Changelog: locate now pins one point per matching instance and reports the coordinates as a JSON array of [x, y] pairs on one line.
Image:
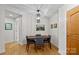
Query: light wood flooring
[[17, 49]]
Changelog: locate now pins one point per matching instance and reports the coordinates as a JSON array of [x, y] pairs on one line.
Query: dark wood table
[[30, 40]]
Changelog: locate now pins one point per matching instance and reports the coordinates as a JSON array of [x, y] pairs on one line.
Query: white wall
[[2, 47], [9, 34], [62, 27], [43, 21], [54, 31]]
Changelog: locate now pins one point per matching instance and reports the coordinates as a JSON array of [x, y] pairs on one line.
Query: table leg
[[27, 47], [50, 45], [35, 47]]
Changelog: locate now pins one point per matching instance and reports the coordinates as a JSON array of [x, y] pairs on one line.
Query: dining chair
[[29, 42], [48, 40], [39, 43]]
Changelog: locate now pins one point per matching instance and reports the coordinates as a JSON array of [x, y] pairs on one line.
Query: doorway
[[15, 34], [18, 29], [73, 31]]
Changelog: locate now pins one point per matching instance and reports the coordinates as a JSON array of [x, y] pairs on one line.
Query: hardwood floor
[[17, 49]]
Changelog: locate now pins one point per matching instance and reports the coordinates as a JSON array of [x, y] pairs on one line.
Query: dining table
[[31, 40]]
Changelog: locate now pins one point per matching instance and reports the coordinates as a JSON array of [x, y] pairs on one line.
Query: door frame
[[20, 29], [69, 14]]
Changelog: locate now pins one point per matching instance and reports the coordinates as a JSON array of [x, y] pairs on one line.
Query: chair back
[[38, 34], [39, 40], [49, 36]]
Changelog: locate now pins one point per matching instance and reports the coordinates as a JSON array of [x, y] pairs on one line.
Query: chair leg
[[50, 45], [27, 47], [43, 47], [35, 48]]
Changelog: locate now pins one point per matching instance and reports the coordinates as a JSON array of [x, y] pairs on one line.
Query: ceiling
[[46, 10], [10, 14]]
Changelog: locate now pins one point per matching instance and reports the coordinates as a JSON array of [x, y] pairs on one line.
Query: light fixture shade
[[38, 18], [38, 14], [38, 10]]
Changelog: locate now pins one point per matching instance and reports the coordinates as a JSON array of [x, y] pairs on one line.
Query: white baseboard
[[61, 52], [2, 51]]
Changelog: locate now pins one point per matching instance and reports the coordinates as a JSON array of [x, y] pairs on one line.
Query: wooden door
[[73, 31]]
